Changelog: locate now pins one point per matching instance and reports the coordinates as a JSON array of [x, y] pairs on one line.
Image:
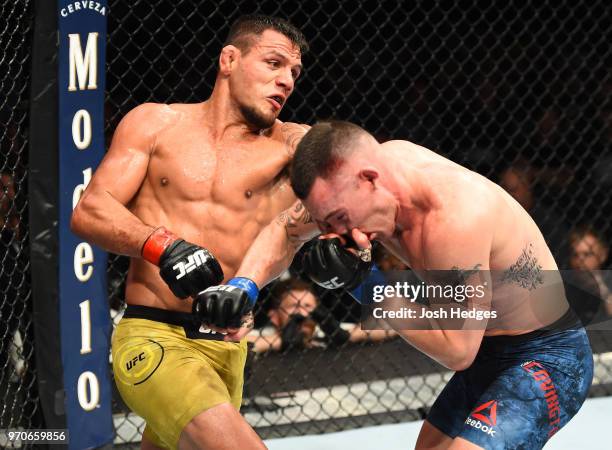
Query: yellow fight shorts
[[168, 371]]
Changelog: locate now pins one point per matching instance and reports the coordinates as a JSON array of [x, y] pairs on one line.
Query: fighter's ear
[[368, 174], [228, 58]]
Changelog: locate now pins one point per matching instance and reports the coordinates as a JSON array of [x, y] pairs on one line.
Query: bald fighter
[[519, 378], [184, 190]]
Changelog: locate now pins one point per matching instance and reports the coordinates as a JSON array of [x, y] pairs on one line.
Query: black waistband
[[193, 328], [159, 315], [568, 321]]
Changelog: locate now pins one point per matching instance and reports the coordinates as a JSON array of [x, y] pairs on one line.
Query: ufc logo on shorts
[[332, 284], [193, 261]]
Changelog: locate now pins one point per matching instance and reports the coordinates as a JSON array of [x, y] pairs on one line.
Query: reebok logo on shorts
[[197, 259], [484, 420]]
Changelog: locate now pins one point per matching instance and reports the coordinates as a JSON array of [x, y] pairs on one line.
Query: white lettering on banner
[[83, 67], [83, 255], [81, 119], [88, 380], [85, 327], [77, 6], [80, 188]]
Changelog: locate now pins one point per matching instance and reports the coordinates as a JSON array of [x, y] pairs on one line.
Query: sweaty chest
[[230, 175]]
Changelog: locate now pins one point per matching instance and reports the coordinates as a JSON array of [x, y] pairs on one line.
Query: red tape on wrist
[[156, 243]]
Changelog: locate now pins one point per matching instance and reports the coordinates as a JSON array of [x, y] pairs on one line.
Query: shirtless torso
[[460, 193], [167, 168], [214, 193], [512, 248]]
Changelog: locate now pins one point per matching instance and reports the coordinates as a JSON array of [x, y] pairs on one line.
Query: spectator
[[10, 219], [297, 319], [589, 252]]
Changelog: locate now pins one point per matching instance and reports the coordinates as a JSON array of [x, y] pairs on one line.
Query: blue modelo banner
[[84, 312]]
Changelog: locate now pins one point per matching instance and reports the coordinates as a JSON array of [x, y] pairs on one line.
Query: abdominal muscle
[[224, 229]]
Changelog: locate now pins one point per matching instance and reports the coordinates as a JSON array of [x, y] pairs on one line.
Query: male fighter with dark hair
[[184, 190]]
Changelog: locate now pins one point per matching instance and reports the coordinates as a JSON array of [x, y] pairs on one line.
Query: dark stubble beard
[[255, 118]]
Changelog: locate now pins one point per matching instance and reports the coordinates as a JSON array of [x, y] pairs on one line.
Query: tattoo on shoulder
[[293, 134], [526, 271]]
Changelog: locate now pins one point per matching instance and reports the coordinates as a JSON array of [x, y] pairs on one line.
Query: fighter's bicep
[[121, 173]]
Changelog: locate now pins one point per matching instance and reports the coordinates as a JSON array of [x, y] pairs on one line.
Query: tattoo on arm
[[526, 271], [292, 219]]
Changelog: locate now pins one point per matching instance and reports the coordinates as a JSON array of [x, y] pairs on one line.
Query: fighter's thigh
[[518, 410], [220, 428], [447, 414], [166, 382]]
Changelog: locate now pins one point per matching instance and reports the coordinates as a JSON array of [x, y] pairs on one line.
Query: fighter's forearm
[[274, 248], [453, 348], [445, 346], [102, 220]]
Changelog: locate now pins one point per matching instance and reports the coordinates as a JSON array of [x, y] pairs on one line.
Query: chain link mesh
[[19, 404], [518, 91]]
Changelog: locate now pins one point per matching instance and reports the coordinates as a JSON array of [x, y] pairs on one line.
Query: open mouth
[[277, 101]]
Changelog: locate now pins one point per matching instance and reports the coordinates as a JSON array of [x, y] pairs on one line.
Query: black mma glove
[[330, 265], [330, 326], [186, 268], [224, 306]]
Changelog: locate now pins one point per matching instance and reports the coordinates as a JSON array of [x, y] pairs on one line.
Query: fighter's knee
[[463, 444], [220, 427], [431, 438], [147, 444]]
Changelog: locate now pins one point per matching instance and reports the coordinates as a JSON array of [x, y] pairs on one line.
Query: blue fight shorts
[[519, 391]]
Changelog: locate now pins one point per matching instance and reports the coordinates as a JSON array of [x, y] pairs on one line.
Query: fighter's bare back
[[465, 196]]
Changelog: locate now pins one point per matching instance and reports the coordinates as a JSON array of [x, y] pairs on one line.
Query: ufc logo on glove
[[194, 260], [332, 284]]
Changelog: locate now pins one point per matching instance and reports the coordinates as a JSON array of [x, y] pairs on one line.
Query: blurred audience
[[298, 319], [17, 368], [589, 251], [8, 211]]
